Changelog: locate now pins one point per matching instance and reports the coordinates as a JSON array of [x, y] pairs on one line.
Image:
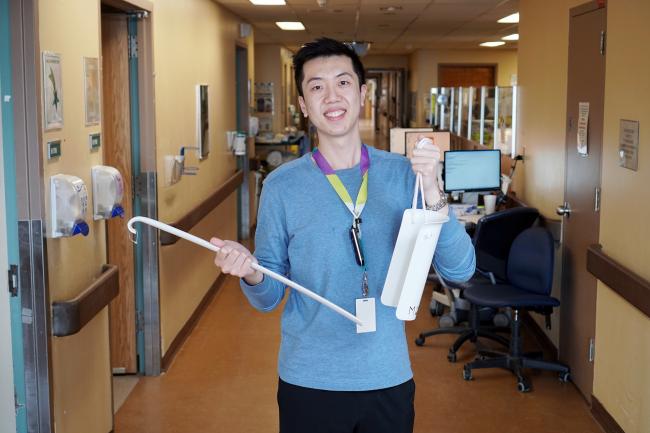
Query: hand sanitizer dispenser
[[68, 204], [108, 191]]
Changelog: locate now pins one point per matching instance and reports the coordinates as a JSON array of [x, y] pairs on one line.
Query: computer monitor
[[472, 170]]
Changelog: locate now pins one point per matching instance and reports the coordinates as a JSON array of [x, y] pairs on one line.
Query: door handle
[[564, 210]]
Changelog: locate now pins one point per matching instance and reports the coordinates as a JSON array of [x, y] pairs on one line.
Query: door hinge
[[597, 200], [592, 350], [139, 321], [603, 42], [13, 280], [133, 47], [139, 186]]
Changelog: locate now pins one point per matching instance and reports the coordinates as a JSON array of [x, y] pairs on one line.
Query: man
[[333, 379]]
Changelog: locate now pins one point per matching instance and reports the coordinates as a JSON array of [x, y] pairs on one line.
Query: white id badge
[[366, 313]]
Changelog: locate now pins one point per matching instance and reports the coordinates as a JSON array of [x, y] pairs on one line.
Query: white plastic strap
[[205, 244], [419, 187]]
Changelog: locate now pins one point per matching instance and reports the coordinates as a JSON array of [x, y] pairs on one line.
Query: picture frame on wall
[[92, 103], [52, 91], [202, 121]]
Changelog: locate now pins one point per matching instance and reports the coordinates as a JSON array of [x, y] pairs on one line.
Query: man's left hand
[[425, 161]]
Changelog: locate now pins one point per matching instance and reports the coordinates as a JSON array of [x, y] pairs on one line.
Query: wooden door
[[466, 75], [117, 153], [586, 83]]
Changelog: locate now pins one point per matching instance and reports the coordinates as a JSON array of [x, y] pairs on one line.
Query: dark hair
[[325, 47]]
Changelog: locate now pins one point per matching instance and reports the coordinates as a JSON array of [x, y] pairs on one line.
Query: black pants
[[306, 410]]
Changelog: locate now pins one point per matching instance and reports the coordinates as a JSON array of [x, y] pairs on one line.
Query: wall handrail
[[631, 286], [69, 317], [193, 217]]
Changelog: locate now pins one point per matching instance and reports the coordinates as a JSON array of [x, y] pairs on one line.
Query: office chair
[[530, 276], [492, 240]]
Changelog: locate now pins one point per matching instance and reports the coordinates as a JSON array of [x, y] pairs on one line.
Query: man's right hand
[[235, 259]]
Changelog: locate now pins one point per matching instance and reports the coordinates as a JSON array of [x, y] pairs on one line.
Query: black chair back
[[530, 266], [494, 236]]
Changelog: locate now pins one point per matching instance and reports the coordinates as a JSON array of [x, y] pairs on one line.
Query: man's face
[[332, 98]]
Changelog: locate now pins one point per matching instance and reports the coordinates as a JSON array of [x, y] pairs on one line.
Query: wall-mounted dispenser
[[68, 205], [236, 142], [108, 191], [175, 166]]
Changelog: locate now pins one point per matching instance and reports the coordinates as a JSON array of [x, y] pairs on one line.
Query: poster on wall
[[52, 91], [202, 123], [91, 91]]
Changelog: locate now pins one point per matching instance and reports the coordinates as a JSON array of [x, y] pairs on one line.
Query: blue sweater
[[303, 233]]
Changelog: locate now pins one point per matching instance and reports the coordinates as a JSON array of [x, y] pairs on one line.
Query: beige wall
[[73, 263], [621, 376], [385, 61], [424, 70], [194, 42], [542, 80]]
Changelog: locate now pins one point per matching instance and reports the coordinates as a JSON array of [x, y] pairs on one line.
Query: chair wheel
[[523, 385], [436, 308], [451, 356], [419, 341], [446, 321], [564, 377], [467, 373]]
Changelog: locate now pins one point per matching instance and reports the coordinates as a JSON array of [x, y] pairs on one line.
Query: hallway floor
[[224, 380]]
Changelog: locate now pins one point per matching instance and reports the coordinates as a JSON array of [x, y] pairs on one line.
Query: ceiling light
[[268, 2], [492, 44], [514, 18], [512, 37], [290, 25], [390, 8]]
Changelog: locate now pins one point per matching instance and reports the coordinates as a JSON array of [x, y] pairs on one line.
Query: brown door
[[466, 75], [117, 153], [586, 84]]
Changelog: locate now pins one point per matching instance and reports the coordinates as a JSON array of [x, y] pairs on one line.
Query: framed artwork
[[202, 121], [91, 91], [442, 139], [52, 91]]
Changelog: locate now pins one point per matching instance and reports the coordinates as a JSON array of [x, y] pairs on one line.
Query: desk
[[469, 219], [469, 223]]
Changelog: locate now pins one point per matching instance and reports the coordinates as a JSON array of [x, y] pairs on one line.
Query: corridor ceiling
[[397, 27]]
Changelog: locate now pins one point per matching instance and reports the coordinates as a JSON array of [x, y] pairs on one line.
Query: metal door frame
[[14, 355], [33, 289], [241, 90], [143, 160], [139, 15]]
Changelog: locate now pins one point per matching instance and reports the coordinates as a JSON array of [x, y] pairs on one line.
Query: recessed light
[[268, 2], [512, 37], [492, 44], [290, 25], [514, 18]]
